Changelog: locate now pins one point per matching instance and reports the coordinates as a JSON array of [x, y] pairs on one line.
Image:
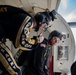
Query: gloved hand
[[41, 38]]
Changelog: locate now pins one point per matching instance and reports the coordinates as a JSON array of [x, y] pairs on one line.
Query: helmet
[[44, 17], [54, 33], [40, 18]]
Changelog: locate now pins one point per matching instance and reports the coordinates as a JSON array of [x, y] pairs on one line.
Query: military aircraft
[[62, 55]]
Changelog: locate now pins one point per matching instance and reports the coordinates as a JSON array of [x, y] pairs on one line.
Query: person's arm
[[46, 70], [40, 60], [23, 41]]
